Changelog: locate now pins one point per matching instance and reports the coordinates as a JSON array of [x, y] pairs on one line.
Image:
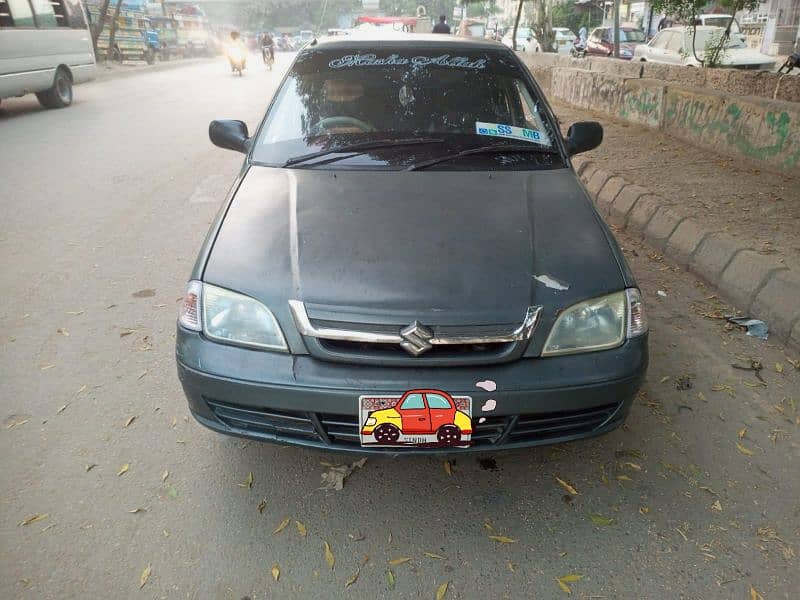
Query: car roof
[[372, 41]]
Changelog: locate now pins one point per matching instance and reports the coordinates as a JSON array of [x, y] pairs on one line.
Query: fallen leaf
[[62, 409], [90, 466], [399, 561], [282, 526], [754, 594], [778, 369], [144, 577], [123, 469], [46, 367], [301, 529], [664, 379], [390, 580], [62, 331], [129, 421], [570, 489], [34, 519], [488, 527], [276, 572], [511, 567], [644, 509], [75, 313], [352, 579], [563, 581], [329, 558], [142, 374], [17, 423], [164, 476], [448, 468], [248, 483], [623, 478], [632, 465], [441, 591], [600, 520], [333, 478], [261, 506], [432, 555], [744, 450], [83, 388], [137, 510], [502, 539], [742, 433], [716, 506]]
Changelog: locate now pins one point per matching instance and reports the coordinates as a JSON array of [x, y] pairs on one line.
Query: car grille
[[341, 431]]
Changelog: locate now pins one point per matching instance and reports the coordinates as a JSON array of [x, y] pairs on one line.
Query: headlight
[[371, 421], [597, 324], [230, 317]]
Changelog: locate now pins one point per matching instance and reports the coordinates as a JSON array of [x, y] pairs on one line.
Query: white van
[[45, 48]]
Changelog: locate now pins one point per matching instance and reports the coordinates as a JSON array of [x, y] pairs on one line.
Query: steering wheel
[[335, 122]]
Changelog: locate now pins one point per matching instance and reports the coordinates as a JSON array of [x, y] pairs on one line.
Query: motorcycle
[[578, 49], [237, 58]]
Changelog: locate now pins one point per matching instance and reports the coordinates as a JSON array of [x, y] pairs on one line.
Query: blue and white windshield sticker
[[510, 131]]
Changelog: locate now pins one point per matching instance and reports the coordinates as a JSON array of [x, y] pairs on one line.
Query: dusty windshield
[[332, 98]]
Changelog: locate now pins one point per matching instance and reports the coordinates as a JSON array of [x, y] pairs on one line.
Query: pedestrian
[[441, 26], [665, 22]]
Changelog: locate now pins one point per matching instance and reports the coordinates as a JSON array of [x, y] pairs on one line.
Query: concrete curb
[[757, 284]]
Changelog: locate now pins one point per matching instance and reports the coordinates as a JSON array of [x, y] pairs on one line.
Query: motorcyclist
[[267, 43], [237, 51]]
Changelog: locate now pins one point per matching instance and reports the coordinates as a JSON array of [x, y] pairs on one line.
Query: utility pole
[[616, 28]]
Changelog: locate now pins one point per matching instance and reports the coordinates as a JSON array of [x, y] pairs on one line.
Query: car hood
[[745, 56], [442, 247]]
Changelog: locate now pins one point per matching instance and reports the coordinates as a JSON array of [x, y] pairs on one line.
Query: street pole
[[616, 28]]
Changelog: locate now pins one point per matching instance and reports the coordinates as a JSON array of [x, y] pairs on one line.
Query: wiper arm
[[493, 149], [361, 147]]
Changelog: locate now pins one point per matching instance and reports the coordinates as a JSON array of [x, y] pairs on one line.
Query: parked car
[[564, 40], [601, 41], [674, 46], [388, 232], [525, 39]]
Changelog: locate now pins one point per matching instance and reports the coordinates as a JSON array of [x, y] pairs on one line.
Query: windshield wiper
[[493, 149], [361, 147]]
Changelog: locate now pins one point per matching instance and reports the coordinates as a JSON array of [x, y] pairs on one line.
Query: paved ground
[[104, 206], [760, 208]]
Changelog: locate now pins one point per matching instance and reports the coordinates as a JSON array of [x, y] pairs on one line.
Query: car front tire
[[60, 94]]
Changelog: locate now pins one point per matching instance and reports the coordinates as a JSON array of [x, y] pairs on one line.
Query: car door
[[673, 53], [442, 410], [658, 46], [414, 414], [594, 44]]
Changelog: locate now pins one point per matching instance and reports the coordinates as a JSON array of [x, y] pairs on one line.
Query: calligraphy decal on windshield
[[372, 60]]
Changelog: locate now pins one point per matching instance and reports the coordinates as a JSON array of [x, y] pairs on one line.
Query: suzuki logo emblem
[[416, 338]]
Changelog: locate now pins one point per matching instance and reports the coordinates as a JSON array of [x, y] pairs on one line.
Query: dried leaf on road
[[570, 489], [390, 580], [129, 420], [632, 465], [90, 466], [511, 567], [17, 423], [282, 526], [333, 478], [488, 527], [563, 581], [144, 577], [742, 433], [600, 520], [778, 369], [301, 528], [432, 555], [623, 478], [441, 591], [46, 367], [754, 594], [261, 506], [352, 579], [502, 539], [137, 510], [744, 449], [248, 483], [62, 409], [717, 506], [276, 572], [164, 475], [399, 561], [644, 509], [448, 468], [34, 519], [123, 469], [329, 558], [142, 374], [62, 331]]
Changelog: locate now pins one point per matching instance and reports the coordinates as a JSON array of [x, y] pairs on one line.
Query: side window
[[75, 15], [675, 43], [413, 401], [437, 401], [45, 15], [21, 13], [531, 111], [662, 39]]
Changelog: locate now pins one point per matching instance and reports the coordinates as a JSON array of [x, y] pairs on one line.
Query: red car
[[601, 41]]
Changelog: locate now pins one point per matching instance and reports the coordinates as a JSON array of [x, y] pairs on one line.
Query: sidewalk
[[112, 70], [735, 226]]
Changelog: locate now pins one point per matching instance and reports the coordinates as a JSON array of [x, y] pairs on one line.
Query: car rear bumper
[[299, 400]]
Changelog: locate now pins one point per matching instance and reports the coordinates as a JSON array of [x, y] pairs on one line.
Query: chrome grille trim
[[522, 332]]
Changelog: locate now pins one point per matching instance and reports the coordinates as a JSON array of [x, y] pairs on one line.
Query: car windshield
[[628, 35], [366, 100]]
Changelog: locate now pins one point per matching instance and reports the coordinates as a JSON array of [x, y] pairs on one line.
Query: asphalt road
[[104, 206]]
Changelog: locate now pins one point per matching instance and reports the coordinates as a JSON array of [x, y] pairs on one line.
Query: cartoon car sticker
[[421, 417]]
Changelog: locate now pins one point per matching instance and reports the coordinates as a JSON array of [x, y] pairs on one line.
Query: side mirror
[[584, 136], [228, 134]]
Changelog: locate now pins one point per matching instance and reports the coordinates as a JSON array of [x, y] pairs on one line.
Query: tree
[[543, 25], [112, 34], [101, 22]]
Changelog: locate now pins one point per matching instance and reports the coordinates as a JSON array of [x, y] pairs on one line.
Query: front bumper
[[296, 399]]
